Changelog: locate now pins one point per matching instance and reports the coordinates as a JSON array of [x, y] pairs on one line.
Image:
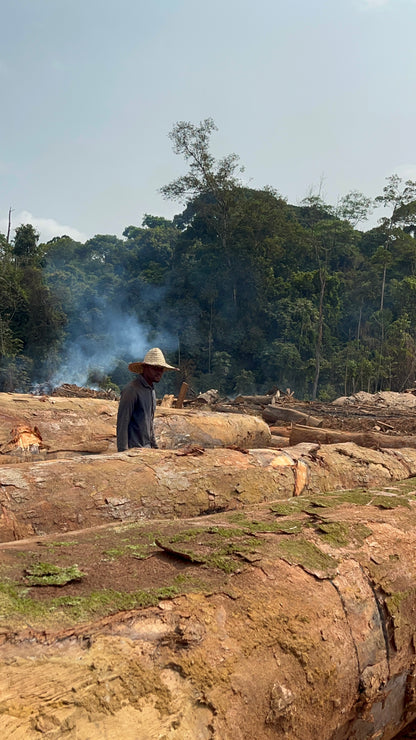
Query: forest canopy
[[242, 290]]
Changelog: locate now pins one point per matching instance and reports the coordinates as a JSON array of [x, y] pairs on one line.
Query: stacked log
[[285, 608]]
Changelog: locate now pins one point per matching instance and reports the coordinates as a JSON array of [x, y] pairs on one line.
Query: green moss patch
[[306, 554], [217, 547], [16, 602], [135, 551], [341, 534], [289, 508], [47, 574], [389, 502]]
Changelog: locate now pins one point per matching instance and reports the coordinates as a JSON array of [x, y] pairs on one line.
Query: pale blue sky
[[308, 93]]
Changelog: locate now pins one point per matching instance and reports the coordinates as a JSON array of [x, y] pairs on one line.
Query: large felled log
[[63, 495], [177, 428], [88, 425], [279, 628], [374, 440], [273, 413], [65, 424]]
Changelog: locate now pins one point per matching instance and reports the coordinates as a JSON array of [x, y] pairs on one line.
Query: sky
[[314, 96]]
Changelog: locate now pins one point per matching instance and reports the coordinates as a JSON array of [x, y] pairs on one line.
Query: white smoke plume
[[123, 337]]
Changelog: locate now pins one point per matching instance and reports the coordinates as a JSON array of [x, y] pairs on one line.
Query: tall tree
[[213, 183], [400, 198], [26, 249]]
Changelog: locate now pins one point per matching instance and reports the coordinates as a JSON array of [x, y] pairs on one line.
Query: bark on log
[[271, 414], [281, 431], [373, 440], [65, 424], [279, 442]]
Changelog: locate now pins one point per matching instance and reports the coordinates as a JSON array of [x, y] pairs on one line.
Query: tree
[[354, 207], [26, 249], [401, 199], [205, 174], [213, 183]]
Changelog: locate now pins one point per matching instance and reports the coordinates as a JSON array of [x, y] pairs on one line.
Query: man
[[137, 404]]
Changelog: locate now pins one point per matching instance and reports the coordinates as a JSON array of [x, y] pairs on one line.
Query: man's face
[[152, 373]]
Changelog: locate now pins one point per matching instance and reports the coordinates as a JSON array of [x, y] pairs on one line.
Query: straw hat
[[152, 357]]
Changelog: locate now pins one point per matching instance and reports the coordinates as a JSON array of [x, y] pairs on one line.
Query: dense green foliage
[[242, 290]]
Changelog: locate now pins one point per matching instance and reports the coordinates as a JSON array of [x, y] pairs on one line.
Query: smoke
[[114, 337], [47, 227]]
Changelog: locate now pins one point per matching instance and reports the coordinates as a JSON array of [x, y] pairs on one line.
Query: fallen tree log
[[63, 495], [288, 624], [177, 428], [280, 431], [374, 440], [88, 425], [65, 424], [279, 442], [256, 400], [273, 413]]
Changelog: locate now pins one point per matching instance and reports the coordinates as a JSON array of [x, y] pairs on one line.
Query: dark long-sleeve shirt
[[135, 416]]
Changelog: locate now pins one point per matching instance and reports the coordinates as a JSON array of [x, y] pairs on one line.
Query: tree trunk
[[374, 440], [271, 414], [318, 348], [81, 492], [88, 425]]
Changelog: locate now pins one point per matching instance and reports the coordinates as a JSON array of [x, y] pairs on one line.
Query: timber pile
[[69, 390]]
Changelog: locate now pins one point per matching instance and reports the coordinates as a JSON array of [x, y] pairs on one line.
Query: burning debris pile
[[69, 390], [74, 391]]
